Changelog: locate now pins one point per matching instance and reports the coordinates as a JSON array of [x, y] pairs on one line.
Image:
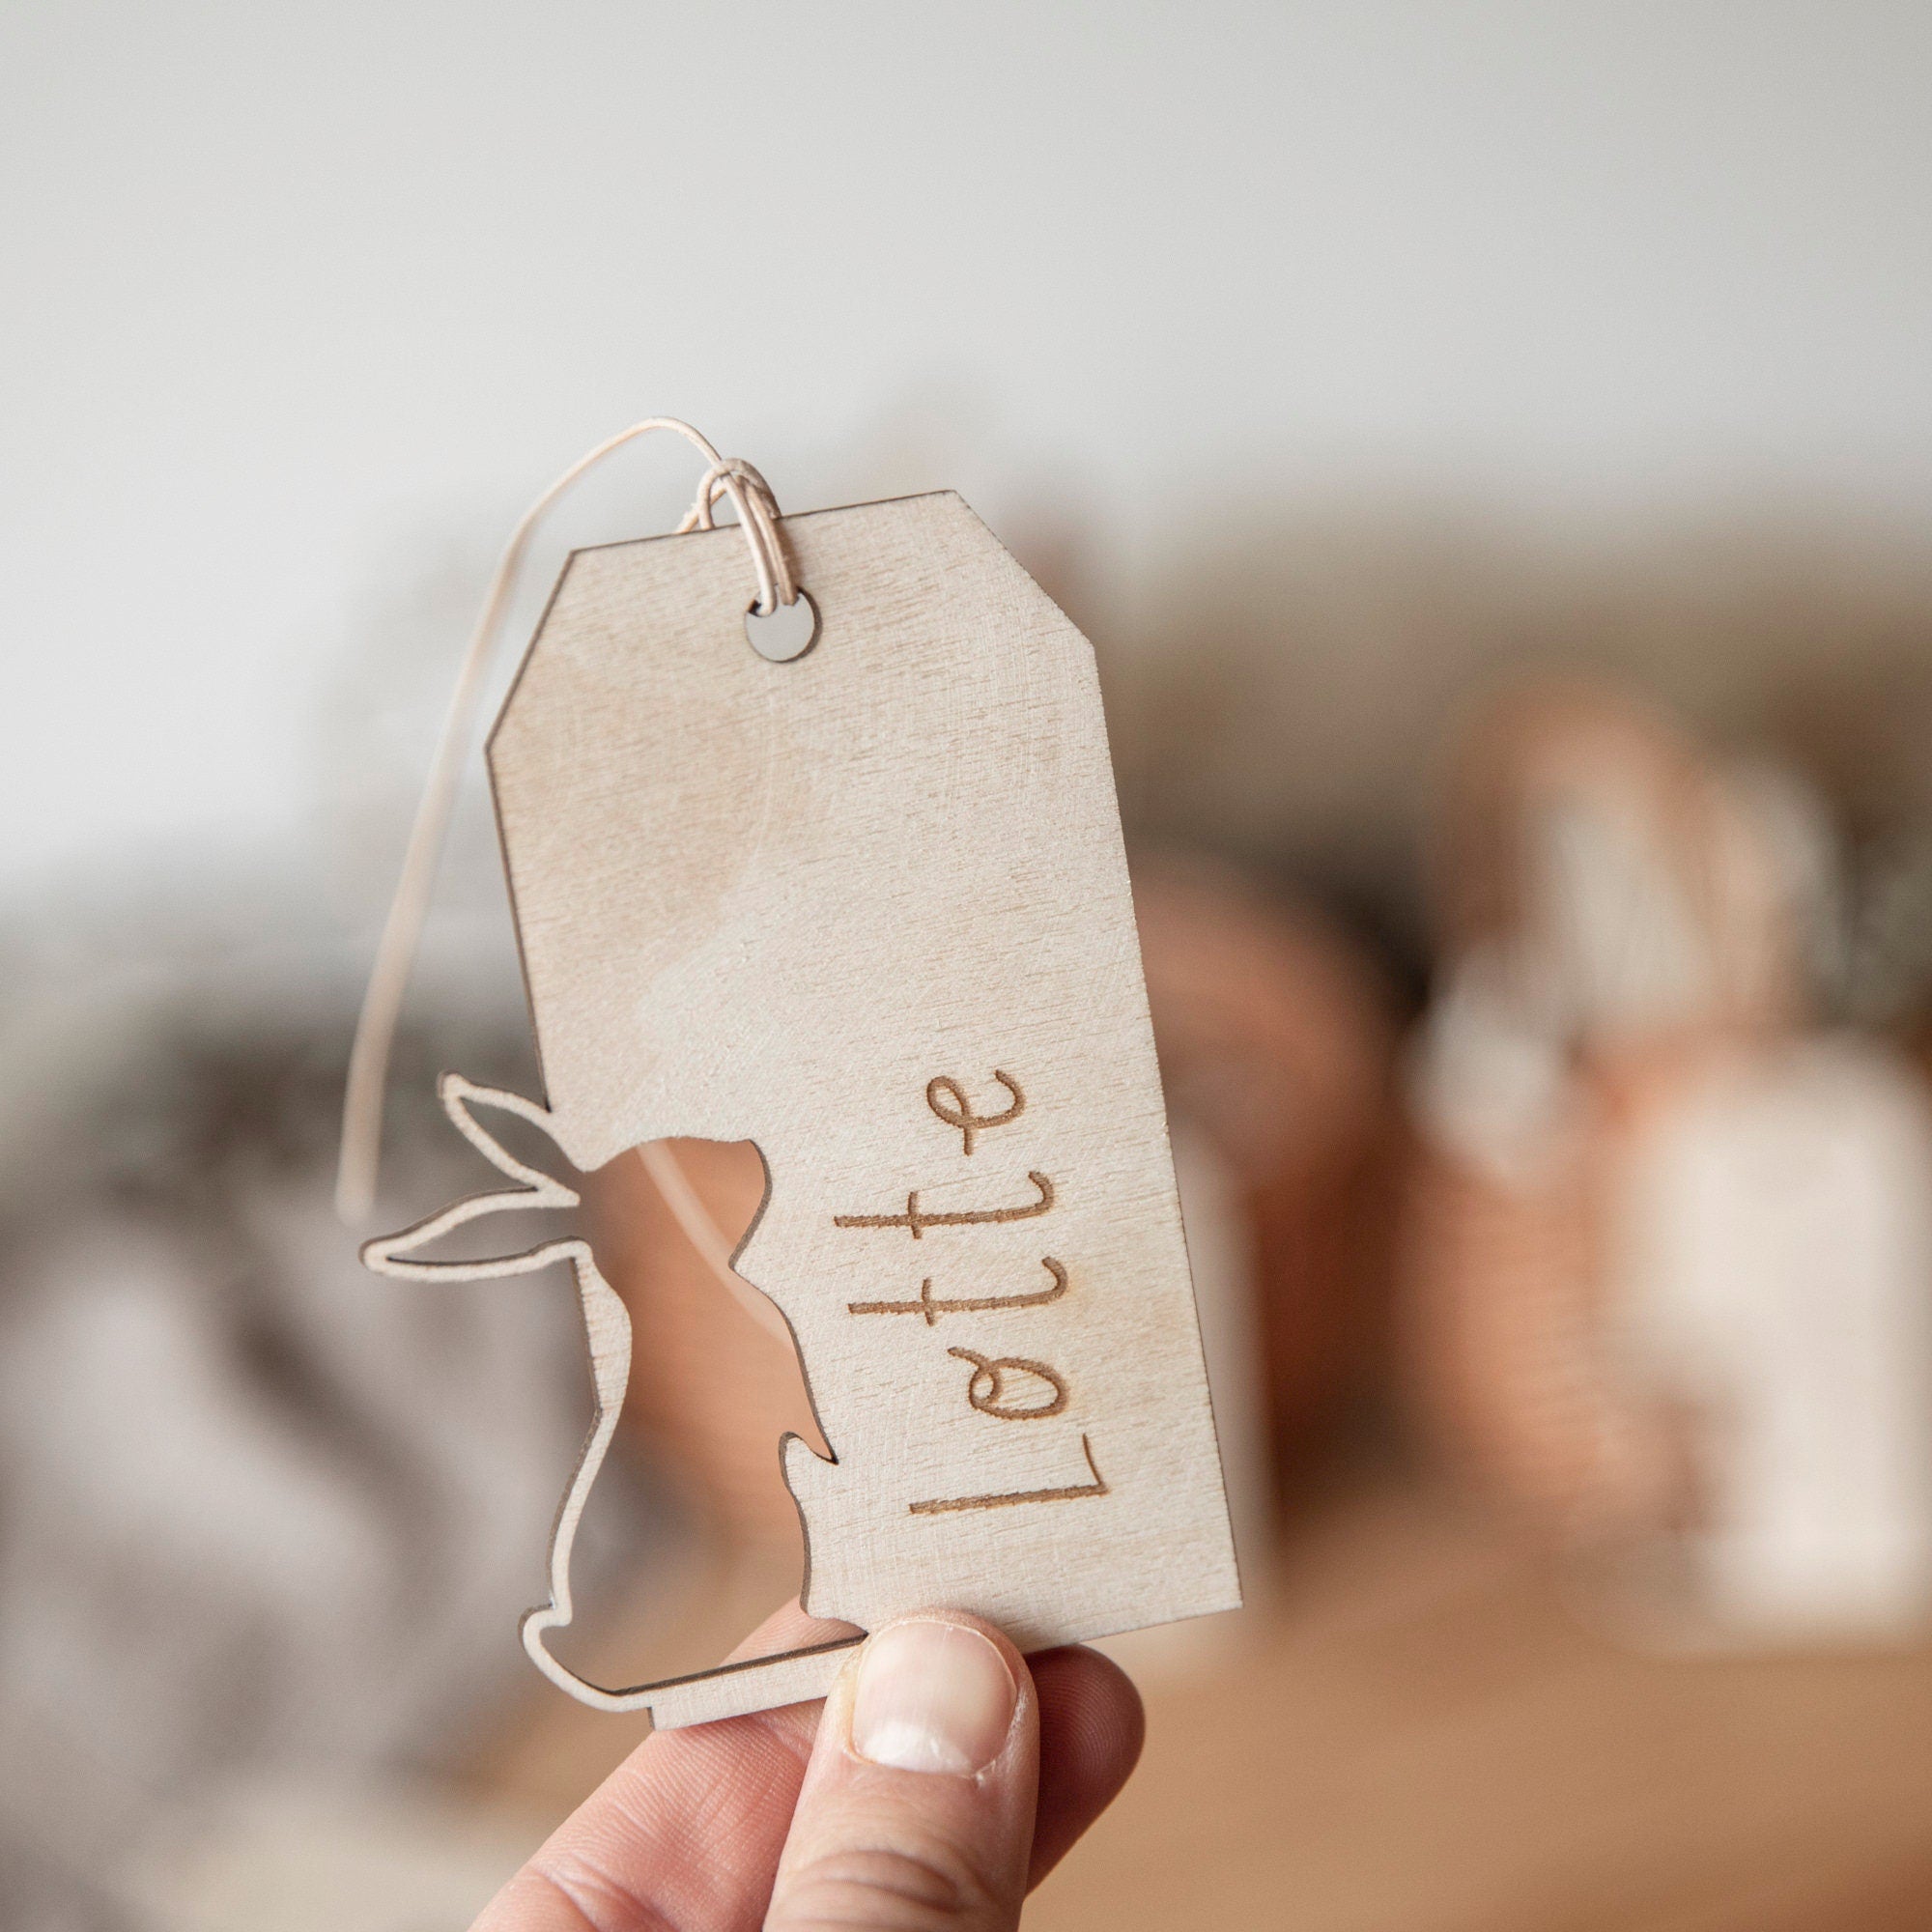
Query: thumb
[[918, 1806]]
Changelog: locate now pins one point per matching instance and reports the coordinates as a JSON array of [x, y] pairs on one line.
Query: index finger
[[687, 1831]]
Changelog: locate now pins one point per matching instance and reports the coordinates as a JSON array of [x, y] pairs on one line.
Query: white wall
[[301, 301]]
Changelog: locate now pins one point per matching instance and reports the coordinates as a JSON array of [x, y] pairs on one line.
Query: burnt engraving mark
[[931, 1307], [944, 1505], [960, 1114], [987, 1389], [1010, 1388], [918, 1220]]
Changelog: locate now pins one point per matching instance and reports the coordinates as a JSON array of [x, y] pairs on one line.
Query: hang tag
[[867, 907]]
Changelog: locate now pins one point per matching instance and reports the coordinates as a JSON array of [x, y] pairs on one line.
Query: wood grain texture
[[868, 910]]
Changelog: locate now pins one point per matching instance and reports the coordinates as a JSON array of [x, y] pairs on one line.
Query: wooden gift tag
[[868, 910]]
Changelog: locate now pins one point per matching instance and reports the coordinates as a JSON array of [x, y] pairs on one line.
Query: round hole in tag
[[786, 633]]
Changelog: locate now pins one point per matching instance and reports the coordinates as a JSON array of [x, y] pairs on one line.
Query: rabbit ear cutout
[[390, 1254]]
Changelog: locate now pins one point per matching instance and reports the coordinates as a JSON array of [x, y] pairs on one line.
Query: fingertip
[[1091, 1707], [1092, 1727]]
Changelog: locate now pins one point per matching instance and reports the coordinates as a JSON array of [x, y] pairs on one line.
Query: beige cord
[[402, 930]]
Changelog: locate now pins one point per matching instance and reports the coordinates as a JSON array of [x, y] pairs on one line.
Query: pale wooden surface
[[1419, 1738], [869, 911], [1423, 1740]]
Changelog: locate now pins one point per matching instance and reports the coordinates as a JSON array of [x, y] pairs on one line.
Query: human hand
[[946, 1777]]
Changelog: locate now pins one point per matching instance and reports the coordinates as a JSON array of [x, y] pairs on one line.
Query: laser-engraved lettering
[[926, 1303], [944, 1505], [918, 1221], [960, 1114], [987, 1388]]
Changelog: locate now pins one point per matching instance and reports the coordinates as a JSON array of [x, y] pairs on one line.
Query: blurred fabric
[[264, 1516]]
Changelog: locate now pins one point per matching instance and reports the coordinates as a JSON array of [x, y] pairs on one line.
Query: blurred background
[[1489, 446]]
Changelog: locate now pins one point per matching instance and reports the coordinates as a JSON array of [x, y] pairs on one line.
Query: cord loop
[[757, 511]]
